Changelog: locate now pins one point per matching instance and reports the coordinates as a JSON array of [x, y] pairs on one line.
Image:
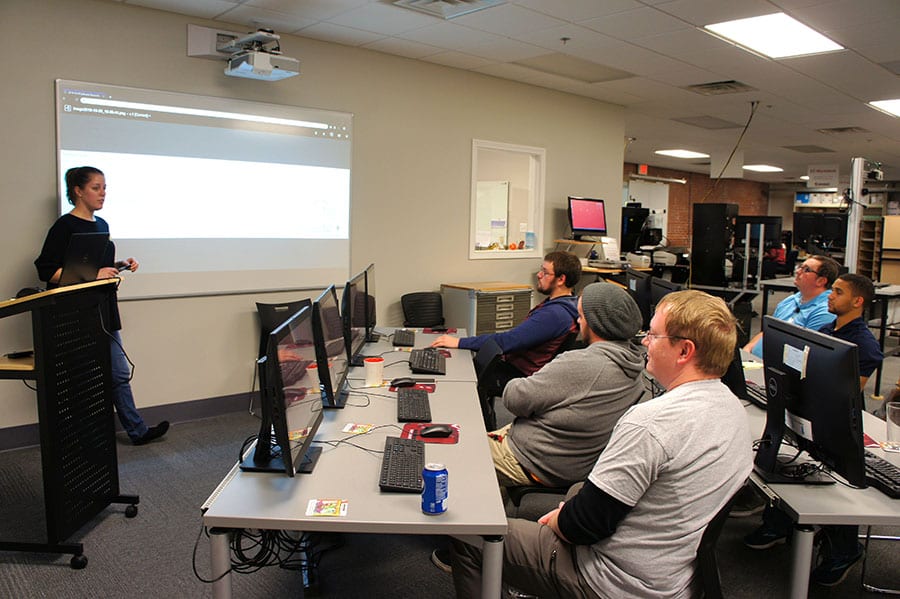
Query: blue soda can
[[434, 495]]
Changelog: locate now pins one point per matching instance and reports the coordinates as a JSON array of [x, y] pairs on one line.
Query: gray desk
[[276, 502], [810, 505], [459, 365], [885, 294]]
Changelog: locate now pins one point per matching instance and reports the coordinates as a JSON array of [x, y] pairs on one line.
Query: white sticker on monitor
[[795, 358], [801, 426]]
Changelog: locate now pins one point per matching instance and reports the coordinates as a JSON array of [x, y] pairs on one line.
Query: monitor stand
[[337, 402], [373, 337], [275, 464], [815, 478], [308, 462]]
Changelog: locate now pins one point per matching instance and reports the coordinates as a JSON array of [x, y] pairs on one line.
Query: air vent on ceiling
[[719, 88], [843, 130], [448, 9], [706, 122], [808, 149]]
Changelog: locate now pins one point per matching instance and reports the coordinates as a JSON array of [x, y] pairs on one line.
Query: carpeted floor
[[151, 556]]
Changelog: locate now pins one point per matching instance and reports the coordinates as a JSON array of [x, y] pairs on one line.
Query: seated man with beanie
[[565, 412]]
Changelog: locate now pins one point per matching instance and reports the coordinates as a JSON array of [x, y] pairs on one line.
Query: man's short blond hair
[[705, 320]]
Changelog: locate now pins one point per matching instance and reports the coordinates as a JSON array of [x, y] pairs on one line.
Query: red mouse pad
[[431, 331], [429, 387], [411, 431]]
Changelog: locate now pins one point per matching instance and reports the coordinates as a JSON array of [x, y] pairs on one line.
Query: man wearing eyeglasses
[[538, 338], [808, 307], [672, 463]]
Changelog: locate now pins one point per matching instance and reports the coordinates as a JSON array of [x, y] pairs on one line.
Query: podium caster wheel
[[78, 562], [131, 511]]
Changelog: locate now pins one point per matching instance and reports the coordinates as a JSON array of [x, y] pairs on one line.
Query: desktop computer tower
[[711, 237]]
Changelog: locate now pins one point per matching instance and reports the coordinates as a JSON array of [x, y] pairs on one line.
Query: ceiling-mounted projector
[[256, 64]]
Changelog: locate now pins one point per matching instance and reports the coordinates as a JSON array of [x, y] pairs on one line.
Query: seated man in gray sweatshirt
[[565, 412]]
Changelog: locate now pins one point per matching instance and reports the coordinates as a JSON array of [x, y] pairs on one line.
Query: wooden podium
[[71, 370]]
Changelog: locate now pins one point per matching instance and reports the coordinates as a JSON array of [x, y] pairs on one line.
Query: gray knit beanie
[[610, 311]]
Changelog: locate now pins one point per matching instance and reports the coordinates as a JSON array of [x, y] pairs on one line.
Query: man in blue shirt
[[850, 296], [809, 306]]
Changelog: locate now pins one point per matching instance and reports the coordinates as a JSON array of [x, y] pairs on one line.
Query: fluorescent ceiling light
[[762, 168], [892, 107], [681, 154], [804, 177], [776, 36]]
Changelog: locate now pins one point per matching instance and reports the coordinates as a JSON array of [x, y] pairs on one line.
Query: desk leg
[[802, 560], [882, 328], [492, 567], [220, 557]]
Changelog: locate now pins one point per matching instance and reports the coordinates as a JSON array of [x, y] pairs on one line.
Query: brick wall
[[750, 196]]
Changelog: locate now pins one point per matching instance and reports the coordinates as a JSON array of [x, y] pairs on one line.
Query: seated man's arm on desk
[[542, 325]]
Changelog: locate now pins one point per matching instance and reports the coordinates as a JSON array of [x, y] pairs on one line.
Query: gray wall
[[414, 124]]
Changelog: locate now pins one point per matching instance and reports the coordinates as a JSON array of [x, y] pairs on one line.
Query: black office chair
[[492, 373], [271, 316], [422, 309], [707, 564], [532, 502]]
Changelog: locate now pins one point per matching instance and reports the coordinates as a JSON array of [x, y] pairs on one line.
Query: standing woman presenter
[[86, 191]]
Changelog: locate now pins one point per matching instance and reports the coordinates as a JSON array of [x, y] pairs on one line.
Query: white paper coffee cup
[[374, 371]]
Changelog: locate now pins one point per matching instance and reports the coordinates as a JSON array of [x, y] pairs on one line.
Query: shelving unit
[[870, 237]]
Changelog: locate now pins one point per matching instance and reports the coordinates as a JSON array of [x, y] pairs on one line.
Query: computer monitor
[[353, 315], [638, 284], [772, 233], [368, 302], [659, 288], [331, 350], [734, 377], [291, 410], [587, 217], [634, 221], [814, 400]]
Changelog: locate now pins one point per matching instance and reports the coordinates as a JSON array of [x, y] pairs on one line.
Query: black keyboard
[[402, 465], [412, 405], [427, 361], [404, 338], [757, 394], [882, 475]]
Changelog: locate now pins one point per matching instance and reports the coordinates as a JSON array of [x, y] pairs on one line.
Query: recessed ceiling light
[[804, 177], [892, 107], [681, 154], [763, 168], [776, 36]]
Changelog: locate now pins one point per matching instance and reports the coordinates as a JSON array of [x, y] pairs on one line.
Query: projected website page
[[213, 194]]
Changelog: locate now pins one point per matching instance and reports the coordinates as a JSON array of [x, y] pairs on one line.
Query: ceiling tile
[[573, 68], [579, 10], [318, 10], [579, 41], [339, 34], [207, 9], [383, 19], [849, 73], [508, 19], [449, 35], [705, 12], [505, 50], [407, 48], [635, 23], [458, 60]]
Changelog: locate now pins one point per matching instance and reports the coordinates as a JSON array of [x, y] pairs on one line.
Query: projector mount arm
[[262, 40]]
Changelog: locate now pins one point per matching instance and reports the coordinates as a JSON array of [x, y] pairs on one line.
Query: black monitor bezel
[[577, 233], [347, 309], [640, 291], [333, 393], [828, 396], [657, 283], [269, 457]]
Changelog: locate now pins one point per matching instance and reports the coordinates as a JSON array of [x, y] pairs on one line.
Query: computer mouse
[[436, 431], [403, 381]]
